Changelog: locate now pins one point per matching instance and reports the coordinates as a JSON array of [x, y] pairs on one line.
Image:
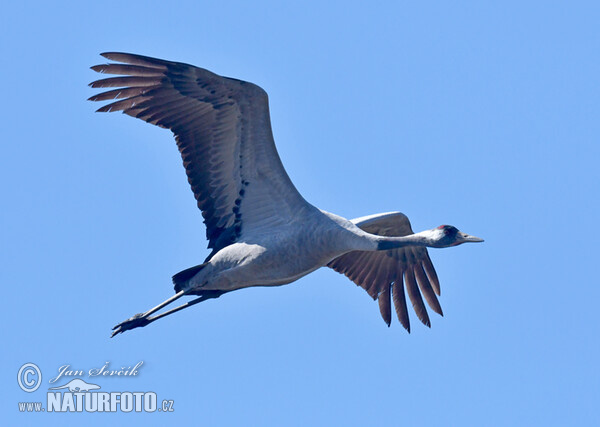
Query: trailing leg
[[143, 319]]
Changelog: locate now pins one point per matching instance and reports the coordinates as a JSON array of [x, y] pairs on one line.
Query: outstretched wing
[[223, 132], [383, 274]]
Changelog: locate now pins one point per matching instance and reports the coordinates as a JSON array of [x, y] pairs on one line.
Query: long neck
[[417, 239]]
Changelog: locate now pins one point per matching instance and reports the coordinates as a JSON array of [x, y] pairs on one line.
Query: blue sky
[[477, 115]]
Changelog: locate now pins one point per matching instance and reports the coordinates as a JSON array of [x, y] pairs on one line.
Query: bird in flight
[[259, 227]]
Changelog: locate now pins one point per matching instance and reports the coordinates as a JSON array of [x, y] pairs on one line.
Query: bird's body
[[256, 258], [261, 230]]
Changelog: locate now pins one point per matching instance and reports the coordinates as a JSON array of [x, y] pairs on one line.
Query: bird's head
[[446, 235]]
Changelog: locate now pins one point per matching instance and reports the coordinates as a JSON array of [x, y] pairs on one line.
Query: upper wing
[[381, 273], [223, 132]]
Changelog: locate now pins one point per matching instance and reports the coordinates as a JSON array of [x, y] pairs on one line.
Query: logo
[[77, 385], [78, 395], [24, 379]]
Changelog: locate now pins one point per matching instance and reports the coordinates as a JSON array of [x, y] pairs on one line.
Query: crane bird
[[260, 229]]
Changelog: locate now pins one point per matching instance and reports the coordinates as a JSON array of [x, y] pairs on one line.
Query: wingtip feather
[[112, 55], [135, 59], [98, 68]]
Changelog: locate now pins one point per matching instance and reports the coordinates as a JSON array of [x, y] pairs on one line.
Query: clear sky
[[481, 116]]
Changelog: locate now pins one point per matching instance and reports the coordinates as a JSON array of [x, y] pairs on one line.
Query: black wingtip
[[108, 55], [104, 109], [98, 68], [116, 331], [135, 59]]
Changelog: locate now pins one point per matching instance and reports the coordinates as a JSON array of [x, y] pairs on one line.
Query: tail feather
[[181, 278]]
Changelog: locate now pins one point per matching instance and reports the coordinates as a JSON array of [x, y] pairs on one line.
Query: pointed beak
[[468, 238]]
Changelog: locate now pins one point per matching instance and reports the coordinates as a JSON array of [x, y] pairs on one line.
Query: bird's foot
[[137, 321]]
